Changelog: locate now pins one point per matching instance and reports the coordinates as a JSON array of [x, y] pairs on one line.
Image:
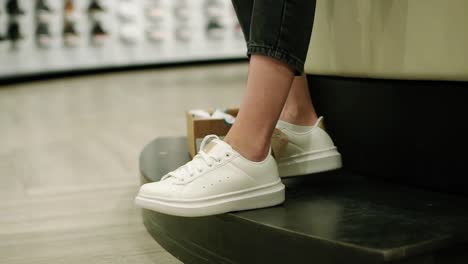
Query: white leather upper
[[230, 174], [316, 139]]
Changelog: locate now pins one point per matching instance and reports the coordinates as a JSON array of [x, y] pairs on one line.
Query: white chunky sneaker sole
[[309, 163], [260, 197]]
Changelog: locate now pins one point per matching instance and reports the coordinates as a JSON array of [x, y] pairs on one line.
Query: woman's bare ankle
[[299, 117], [253, 150]]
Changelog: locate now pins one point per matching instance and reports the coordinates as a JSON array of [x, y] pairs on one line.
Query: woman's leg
[[277, 40], [268, 86], [224, 176], [299, 109]]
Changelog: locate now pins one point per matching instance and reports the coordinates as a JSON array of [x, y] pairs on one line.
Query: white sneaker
[[217, 180], [301, 150]]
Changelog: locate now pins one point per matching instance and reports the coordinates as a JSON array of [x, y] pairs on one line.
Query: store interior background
[[70, 144]]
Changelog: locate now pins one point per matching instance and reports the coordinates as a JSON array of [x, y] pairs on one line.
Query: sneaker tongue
[[216, 147]]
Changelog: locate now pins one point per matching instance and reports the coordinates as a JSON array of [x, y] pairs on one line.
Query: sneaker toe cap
[[160, 189]]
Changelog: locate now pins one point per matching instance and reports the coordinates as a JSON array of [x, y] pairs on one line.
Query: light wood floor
[[68, 159]]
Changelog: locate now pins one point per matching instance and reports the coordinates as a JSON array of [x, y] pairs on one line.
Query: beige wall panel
[[397, 39]]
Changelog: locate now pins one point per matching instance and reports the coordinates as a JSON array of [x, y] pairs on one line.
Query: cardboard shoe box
[[198, 128]]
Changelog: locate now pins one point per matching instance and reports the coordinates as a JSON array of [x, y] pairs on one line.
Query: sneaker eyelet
[[228, 155]]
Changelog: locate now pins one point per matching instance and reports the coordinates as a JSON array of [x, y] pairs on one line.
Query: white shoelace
[[200, 163]]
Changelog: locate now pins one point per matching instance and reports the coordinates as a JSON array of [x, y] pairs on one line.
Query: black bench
[[389, 216], [327, 218]]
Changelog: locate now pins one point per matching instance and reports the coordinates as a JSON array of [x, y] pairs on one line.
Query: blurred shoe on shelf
[[69, 7], [2, 37], [13, 8], [155, 12], [43, 11], [14, 31], [213, 8], [98, 30], [70, 10], [43, 36], [98, 34], [181, 10], [70, 34], [129, 34], [128, 11], [183, 33], [95, 7], [155, 34], [214, 29], [43, 6]]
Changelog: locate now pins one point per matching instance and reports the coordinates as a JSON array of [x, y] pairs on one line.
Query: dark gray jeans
[[280, 29]]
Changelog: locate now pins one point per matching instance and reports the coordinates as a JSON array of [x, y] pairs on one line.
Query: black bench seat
[[335, 217]]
